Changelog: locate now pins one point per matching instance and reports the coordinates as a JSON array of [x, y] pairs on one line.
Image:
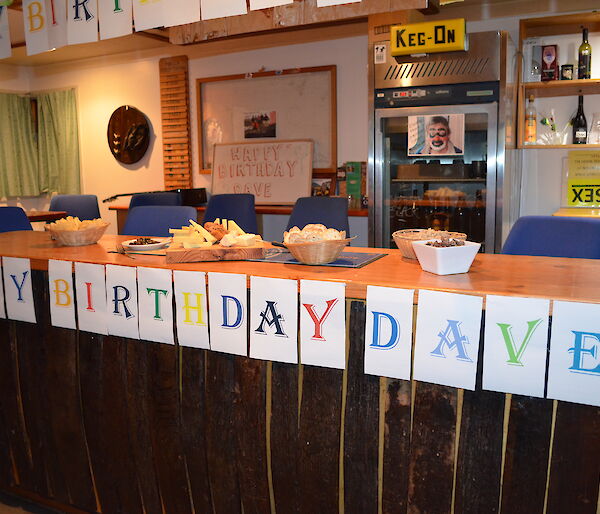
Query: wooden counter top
[[543, 277], [262, 209]]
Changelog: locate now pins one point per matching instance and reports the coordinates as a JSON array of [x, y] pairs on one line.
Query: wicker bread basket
[[318, 252], [404, 238], [87, 236]]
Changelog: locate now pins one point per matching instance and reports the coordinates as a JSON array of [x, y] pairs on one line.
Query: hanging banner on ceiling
[[115, 17], [574, 370], [5, 50], [210, 9], [35, 26], [56, 11], [326, 3], [274, 319], [155, 297], [62, 294], [180, 12], [148, 15], [388, 332], [265, 4], [447, 342], [228, 313], [2, 306], [323, 323], [82, 21], [90, 293], [122, 301], [18, 290], [191, 308], [516, 344]]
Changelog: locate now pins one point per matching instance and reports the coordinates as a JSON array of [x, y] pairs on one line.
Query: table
[[45, 215], [578, 212]]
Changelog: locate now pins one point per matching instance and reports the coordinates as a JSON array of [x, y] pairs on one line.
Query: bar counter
[[92, 423]]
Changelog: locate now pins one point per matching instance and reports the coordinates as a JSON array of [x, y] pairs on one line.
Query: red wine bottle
[[580, 125]]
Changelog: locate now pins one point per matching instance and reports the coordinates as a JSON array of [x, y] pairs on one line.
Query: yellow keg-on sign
[[428, 37]]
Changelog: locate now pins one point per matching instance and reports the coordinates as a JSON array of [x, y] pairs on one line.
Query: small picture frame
[[323, 184]]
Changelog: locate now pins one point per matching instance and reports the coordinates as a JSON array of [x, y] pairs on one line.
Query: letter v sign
[[515, 354]]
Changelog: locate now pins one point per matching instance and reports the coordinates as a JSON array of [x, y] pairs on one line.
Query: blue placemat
[[346, 260]]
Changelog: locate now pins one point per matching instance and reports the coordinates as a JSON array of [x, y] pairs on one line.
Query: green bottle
[[584, 67]]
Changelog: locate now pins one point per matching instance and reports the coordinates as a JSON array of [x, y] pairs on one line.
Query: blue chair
[[162, 198], [554, 236], [13, 219], [85, 207], [156, 220], [236, 207], [329, 211]]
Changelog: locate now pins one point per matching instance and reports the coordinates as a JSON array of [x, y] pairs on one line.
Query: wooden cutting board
[[215, 253]]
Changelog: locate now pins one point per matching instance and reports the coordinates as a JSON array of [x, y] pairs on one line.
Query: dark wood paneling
[[220, 436], [432, 449], [526, 457], [193, 426], [576, 455], [361, 421]]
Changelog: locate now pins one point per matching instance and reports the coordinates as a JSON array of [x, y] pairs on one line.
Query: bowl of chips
[[315, 244], [72, 231]]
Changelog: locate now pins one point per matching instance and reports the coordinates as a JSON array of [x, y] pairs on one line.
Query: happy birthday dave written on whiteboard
[[275, 172]]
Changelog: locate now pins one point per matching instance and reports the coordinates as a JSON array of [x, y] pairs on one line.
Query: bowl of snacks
[[315, 243], [446, 256], [405, 238], [72, 231]]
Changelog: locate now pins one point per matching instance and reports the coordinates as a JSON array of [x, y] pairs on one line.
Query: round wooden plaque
[[128, 134]]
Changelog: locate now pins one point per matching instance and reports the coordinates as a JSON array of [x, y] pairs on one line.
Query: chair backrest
[[554, 236], [85, 207], [156, 220], [162, 198], [236, 207], [329, 211], [12, 219]]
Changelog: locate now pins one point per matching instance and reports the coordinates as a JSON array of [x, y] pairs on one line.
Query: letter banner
[[265, 4], [274, 319], [180, 12], [574, 371], [227, 297], [116, 18], [388, 332], [57, 23], [62, 294], [148, 15], [516, 345], [191, 308], [82, 21], [2, 307], [210, 9], [155, 296], [35, 26], [90, 293], [447, 342], [326, 3], [5, 50], [18, 290], [122, 301], [323, 323]]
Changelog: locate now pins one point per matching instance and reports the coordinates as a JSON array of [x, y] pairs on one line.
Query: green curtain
[[58, 142], [18, 149]]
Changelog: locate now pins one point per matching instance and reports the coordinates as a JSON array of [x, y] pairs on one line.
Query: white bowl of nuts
[[446, 256]]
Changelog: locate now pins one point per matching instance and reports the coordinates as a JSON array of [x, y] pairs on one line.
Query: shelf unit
[[553, 26]]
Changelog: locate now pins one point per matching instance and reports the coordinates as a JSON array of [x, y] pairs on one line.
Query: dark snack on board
[[144, 241], [216, 229]]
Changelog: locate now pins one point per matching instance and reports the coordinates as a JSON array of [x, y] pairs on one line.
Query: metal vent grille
[[429, 69]]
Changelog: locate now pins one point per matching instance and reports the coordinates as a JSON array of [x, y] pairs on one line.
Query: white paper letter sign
[[57, 23], [211, 9], [323, 323], [274, 319], [326, 3], [115, 18], [516, 342], [574, 372], [180, 12], [2, 307], [447, 342], [36, 26], [18, 290], [82, 21], [227, 298], [155, 294], [122, 301], [90, 288], [265, 4], [388, 332], [5, 50], [62, 294], [191, 313]]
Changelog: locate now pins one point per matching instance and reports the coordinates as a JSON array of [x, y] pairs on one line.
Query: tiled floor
[[13, 505]]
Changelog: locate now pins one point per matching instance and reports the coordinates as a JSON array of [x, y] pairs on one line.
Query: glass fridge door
[[435, 167]]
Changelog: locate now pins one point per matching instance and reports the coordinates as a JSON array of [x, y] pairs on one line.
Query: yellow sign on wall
[[583, 183], [428, 37]]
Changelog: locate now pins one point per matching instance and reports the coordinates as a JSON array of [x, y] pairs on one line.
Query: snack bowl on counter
[[318, 252], [72, 232], [405, 238], [446, 260]]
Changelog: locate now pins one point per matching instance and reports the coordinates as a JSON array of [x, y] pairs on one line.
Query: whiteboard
[[277, 172]]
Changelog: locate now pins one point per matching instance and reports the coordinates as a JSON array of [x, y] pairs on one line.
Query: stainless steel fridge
[[441, 142]]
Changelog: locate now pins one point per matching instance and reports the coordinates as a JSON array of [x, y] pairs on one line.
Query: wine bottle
[[580, 125], [530, 122], [584, 65]]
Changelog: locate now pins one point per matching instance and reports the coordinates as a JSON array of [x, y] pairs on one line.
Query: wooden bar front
[[92, 423]]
